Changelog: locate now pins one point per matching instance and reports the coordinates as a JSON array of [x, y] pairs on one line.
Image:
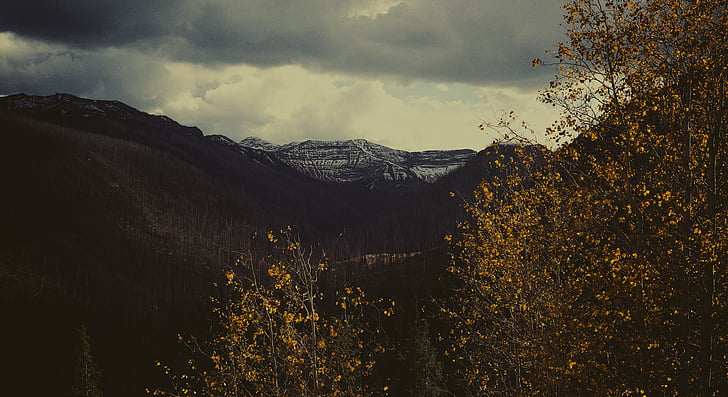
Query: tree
[[87, 376], [277, 336], [604, 271], [509, 286], [429, 379]]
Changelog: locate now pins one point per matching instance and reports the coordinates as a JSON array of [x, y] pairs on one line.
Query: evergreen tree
[[87, 376], [429, 380]]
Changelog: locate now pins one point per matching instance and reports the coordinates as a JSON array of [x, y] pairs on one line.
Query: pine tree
[[87, 376], [429, 379]]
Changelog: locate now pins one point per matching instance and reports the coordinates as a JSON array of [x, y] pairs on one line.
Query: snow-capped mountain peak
[[360, 161], [254, 142]]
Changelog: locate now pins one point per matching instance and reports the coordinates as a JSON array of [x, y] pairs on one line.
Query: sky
[[409, 74]]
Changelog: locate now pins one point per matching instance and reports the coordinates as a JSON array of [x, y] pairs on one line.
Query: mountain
[[81, 112], [364, 163], [366, 197], [122, 221], [353, 162]]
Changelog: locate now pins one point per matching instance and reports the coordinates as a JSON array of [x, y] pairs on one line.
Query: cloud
[[470, 41], [411, 74], [41, 68], [281, 104], [291, 103], [89, 23]]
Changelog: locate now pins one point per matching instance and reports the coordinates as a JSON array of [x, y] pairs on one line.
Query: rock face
[[365, 163]]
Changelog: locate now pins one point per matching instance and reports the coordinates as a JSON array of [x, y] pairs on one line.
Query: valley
[[122, 221]]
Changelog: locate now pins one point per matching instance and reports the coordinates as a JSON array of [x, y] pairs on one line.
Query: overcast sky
[[410, 74]]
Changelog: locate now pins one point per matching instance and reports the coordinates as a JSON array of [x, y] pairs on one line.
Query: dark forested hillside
[[122, 220]]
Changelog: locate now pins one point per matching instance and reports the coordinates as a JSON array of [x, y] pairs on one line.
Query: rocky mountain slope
[[363, 162]]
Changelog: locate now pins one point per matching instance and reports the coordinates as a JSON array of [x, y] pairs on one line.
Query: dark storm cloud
[[256, 32], [467, 41], [89, 23], [472, 41]]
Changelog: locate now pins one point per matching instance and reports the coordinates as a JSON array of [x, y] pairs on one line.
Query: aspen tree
[[604, 273], [276, 337]]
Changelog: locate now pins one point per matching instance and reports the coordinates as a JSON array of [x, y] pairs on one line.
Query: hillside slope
[[122, 220]]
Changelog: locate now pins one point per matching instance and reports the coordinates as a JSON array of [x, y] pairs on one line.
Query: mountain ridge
[[359, 160], [362, 186], [354, 162]]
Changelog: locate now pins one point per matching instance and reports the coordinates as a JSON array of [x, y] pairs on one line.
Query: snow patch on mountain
[[254, 142], [361, 161]]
